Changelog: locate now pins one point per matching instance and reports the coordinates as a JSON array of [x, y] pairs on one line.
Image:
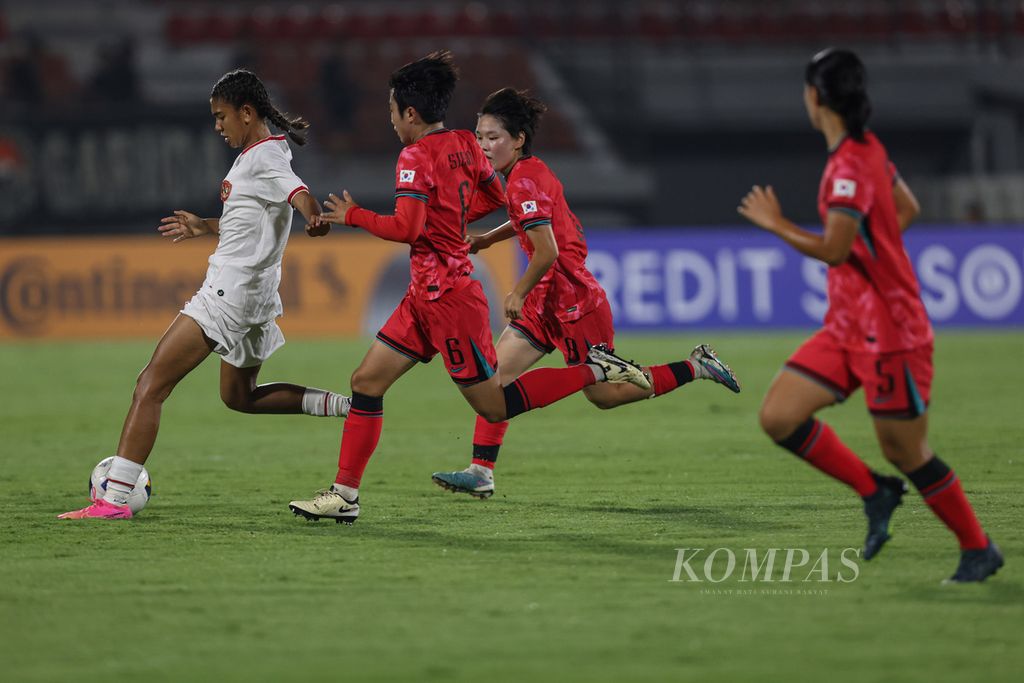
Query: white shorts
[[240, 346]]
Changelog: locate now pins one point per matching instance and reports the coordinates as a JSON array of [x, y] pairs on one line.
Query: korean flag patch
[[406, 176], [844, 188], [530, 207]]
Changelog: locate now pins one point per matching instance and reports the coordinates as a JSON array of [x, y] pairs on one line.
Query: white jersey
[[245, 270]]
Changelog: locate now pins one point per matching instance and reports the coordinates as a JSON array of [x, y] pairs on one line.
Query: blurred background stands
[[661, 113]]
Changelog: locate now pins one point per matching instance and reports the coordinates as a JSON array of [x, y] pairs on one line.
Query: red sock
[[487, 440], [665, 378], [359, 438], [543, 386], [815, 442], [941, 489]]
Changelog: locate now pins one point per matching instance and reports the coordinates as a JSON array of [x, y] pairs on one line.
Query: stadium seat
[[182, 29], [327, 23], [656, 26], [218, 28]]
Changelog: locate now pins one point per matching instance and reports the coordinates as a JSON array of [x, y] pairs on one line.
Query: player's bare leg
[[495, 403], [544, 386], [380, 368], [239, 391], [904, 442], [488, 399], [905, 445], [703, 363], [790, 401], [787, 416], [180, 350], [608, 396], [516, 355]]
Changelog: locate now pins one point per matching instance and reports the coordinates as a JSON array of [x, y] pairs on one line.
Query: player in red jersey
[[443, 182], [557, 303], [876, 332]]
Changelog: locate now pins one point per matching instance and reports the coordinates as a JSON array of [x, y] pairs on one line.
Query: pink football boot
[[100, 509]]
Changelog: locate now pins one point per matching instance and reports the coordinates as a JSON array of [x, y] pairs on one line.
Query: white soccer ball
[[137, 499]]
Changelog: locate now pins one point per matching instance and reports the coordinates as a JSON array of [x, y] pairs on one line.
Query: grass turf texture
[[562, 575]]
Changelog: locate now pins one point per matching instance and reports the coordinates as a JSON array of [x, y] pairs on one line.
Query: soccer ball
[[137, 499]]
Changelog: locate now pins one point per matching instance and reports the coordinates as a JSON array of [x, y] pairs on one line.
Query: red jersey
[[447, 171], [874, 297], [534, 197]]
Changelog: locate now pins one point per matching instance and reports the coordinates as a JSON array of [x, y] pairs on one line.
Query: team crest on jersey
[[844, 188], [406, 176], [530, 207], [225, 190]]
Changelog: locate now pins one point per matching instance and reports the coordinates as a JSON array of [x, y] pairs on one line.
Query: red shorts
[[457, 325], [572, 338], [896, 384]]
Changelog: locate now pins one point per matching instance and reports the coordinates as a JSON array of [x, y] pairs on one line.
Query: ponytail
[[839, 78], [240, 87], [855, 113], [295, 127]]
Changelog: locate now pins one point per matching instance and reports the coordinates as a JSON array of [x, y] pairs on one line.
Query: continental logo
[[132, 287], [33, 294]]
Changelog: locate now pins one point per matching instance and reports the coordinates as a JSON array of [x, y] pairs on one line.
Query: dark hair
[[241, 87], [426, 85], [841, 82], [518, 112]]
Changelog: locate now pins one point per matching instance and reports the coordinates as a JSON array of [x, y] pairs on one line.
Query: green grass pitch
[[564, 575]]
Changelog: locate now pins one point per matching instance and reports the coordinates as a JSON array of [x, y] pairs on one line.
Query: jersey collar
[[516, 165], [260, 142]]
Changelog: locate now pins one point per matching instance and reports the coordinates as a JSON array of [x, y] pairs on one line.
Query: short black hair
[[840, 80], [241, 87], [426, 85], [518, 112]]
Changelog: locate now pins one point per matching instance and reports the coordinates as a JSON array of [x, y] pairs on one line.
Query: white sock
[[121, 480], [485, 472], [325, 403], [347, 492], [599, 373], [699, 371]]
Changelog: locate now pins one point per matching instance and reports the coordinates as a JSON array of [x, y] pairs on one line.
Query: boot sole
[[299, 512], [482, 495]]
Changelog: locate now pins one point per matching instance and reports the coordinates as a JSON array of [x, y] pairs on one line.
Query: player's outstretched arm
[[405, 226], [184, 225], [761, 207], [337, 208], [491, 237]]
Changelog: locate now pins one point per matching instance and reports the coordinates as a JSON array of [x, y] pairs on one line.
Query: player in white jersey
[[233, 313]]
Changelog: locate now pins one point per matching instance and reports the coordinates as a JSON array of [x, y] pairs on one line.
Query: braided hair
[[241, 87], [518, 112], [840, 79]]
